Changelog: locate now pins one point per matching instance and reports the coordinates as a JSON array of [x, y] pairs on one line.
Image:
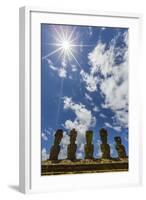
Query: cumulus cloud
[[90, 80], [64, 143], [96, 109], [45, 155], [111, 76], [73, 67], [102, 115], [62, 72], [83, 117], [113, 151], [51, 65], [44, 136], [88, 97], [80, 151], [97, 146], [79, 155], [108, 124], [126, 138], [48, 131], [116, 128]]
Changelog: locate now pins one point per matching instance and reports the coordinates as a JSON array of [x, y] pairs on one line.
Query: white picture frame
[[29, 160]]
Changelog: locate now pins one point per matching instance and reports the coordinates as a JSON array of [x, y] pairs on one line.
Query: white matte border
[[37, 183]]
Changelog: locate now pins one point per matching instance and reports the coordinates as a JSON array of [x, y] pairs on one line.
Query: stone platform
[[83, 166]]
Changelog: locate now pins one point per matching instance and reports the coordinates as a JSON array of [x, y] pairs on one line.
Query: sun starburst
[[66, 43]]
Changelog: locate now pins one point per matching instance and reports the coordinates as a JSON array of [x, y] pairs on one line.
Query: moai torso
[[89, 147], [105, 148], [54, 152], [72, 147], [120, 148], [55, 149]]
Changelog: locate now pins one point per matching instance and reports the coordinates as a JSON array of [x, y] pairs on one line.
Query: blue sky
[[84, 85]]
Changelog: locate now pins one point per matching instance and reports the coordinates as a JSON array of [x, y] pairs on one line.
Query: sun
[[66, 45]]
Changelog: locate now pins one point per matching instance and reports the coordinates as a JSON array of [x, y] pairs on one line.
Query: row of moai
[[88, 148]]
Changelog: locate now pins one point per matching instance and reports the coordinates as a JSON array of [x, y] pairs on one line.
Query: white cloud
[[73, 67], [51, 65], [88, 97], [97, 146], [81, 147], [113, 151], [79, 155], [45, 156], [96, 109], [48, 131], [114, 82], [80, 150], [63, 63], [83, 118], [62, 72], [44, 136], [64, 143], [90, 80], [126, 138], [108, 125], [102, 115], [116, 128]]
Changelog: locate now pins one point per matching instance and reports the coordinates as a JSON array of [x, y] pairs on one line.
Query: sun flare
[[66, 45]]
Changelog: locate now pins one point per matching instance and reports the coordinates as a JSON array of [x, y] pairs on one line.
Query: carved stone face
[[58, 136], [73, 136], [103, 135], [89, 136], [117, 140]]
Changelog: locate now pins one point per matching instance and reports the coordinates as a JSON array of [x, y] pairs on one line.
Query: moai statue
[[72, 147], [89, 147], [120, 148], [105, 148], [55, 149]]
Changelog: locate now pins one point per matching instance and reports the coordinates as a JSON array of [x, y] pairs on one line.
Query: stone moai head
[[103, 135], [73, 136], [58, 136], [118, 140], [89, 136]]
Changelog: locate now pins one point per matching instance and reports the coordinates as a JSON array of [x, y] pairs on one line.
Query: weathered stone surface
[[120, 148], [55, 149], [84, 166], [105, 148], [89, 147], [72, 147]]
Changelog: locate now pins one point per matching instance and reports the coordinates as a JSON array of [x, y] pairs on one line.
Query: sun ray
[[58, 34], [53, 52], [83, 45], [72, 32], [60, 54], [54, 44], [63, 34], [66, 44], [75, 59]]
